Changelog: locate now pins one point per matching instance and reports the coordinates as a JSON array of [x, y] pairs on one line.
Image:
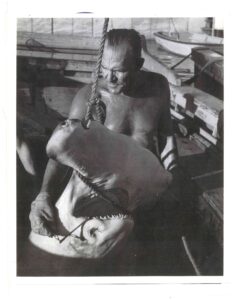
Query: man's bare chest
[[127, 115]]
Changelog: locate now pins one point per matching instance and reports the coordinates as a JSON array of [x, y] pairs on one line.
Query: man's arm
[[168, 153], [166, 139], [25, 156], [43, 213], [169, 157]]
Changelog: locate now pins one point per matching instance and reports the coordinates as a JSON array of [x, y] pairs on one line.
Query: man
[[136, 104]]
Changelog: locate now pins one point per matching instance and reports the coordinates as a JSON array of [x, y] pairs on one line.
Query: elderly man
[[136, 103]]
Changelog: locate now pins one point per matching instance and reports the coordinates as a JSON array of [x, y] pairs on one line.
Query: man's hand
[[43, 215]]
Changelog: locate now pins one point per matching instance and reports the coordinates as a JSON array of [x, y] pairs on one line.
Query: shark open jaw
[[92, 238]]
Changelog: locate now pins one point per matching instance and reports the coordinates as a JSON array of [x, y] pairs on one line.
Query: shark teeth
[[93, 194], [110, 217]]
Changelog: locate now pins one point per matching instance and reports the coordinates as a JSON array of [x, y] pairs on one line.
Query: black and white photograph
[[119, 146]]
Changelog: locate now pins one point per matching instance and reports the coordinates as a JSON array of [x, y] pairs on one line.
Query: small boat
[[181, 43]]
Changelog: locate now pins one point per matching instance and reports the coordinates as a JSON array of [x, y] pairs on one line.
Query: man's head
[[121, 58]]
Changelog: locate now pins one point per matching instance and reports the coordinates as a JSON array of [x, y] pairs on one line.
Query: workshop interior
[[56, 58]]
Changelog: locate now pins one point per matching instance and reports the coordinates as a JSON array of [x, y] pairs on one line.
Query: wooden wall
[[90, 27]]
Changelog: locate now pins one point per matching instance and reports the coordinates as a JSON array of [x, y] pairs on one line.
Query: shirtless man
[[136, 103]]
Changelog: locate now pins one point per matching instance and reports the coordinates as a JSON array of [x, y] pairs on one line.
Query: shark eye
[[63, 123], [74, 120], [84, 124]]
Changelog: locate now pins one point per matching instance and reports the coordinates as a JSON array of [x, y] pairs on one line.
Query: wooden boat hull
[[186, 43]]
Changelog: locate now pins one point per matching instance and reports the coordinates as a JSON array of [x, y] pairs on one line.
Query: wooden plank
[[63, 56], [200, 141], [180, 24], [143, 26], [60, 41], [84, 77], [98, 26], [194, 24], [187, 147], [24, 24], [83, 27], [69, 65], [60, 98], [215, 69], [176, 115], [42, 25], [80, 66], [215, 200], [121, 23], [207, 107], [212, 138], [159, 24], [210, 209], [62, 26]]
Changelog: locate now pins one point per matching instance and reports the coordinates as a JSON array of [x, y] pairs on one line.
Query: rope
[[74, 229], [174, 26], [93, 99], [179, 62]]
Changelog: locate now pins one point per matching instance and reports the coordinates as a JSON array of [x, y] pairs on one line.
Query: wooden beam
[[80, 66], [207, 107], [83, 77], [59, 41], [61, 55]]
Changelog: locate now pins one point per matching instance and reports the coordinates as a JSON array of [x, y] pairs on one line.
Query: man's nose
[[112, 77]]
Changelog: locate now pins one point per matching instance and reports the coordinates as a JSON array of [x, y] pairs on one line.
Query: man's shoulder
[[153, 84], [153, 77]]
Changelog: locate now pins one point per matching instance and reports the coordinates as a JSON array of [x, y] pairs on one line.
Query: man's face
[[118, 64]]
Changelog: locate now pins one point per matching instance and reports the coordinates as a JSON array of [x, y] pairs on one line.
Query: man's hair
[[115, 37]]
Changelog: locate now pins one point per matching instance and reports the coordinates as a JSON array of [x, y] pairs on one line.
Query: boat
[[182, 43], [189, 102]]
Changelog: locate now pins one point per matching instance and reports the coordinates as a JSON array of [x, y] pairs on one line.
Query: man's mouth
[[114, 88], [110, 85]]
